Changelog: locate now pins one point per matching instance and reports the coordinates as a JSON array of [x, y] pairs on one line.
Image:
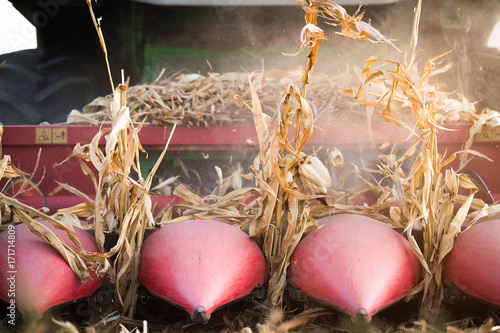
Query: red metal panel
[[232, 136], [23, 143], [198, 137], [56, 202]]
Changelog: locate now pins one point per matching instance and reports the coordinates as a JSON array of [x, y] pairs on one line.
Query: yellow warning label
[[51, 135], [43, 135], [59, 135], [489, 134]]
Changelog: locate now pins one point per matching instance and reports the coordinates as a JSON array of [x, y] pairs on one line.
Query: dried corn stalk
[[288, 178], [428, 193], [79, 260], [7, 170], [122, 202]]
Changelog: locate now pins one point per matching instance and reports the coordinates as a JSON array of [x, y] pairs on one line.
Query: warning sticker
[[59, 135], [489, 134], [51, 135]]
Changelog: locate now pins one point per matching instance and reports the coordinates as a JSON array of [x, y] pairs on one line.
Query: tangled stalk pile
[[122, 204], [197, 100]]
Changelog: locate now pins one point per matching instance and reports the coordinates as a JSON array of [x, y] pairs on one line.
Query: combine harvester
[[353, 263]]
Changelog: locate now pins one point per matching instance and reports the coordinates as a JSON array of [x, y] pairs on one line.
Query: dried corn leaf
[[7, 170], [79, 260]]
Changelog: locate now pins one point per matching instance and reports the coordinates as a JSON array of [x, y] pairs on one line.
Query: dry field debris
[[293, 188]]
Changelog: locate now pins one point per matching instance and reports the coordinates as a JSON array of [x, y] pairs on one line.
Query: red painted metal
[[21, 143], [229, 137], [63, 201], [200, 265], [474, 263], [36, 274], [354, 263]]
